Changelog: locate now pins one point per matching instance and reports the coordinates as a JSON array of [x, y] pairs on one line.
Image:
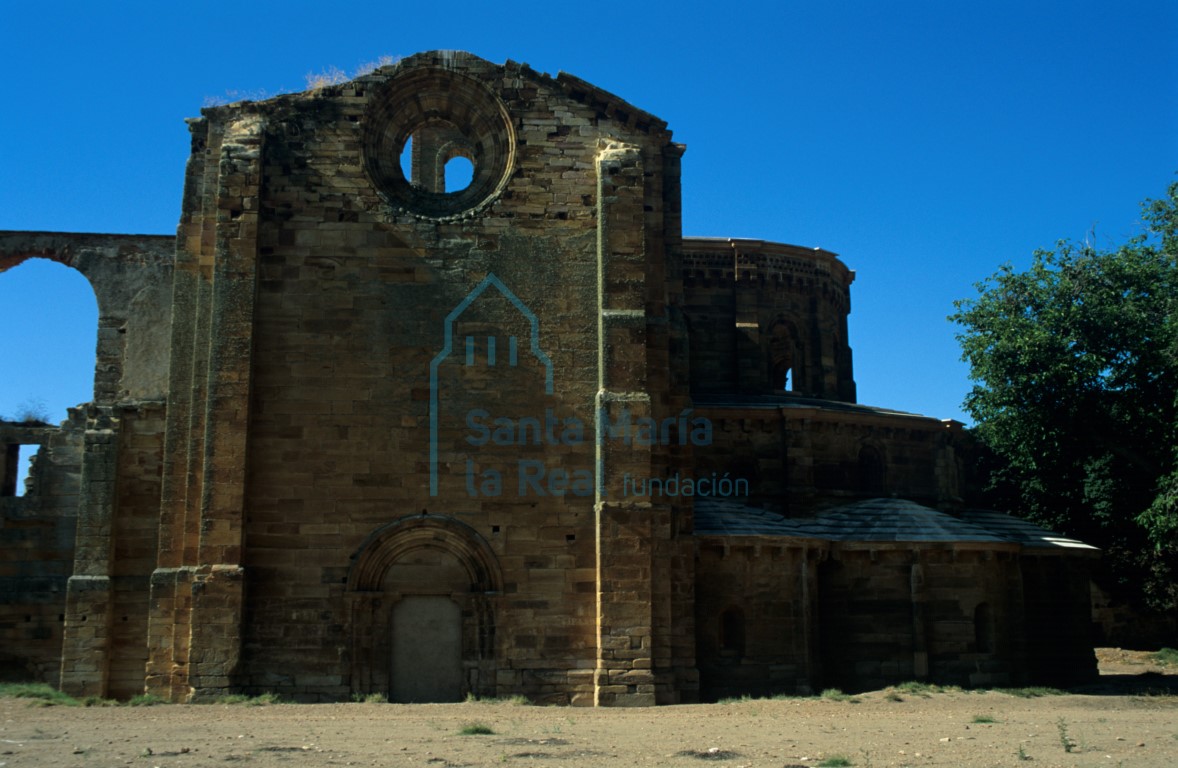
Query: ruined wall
[[132, 281], [63, 596], [342, 307], [37, 536], [135, 545], [407, 443]]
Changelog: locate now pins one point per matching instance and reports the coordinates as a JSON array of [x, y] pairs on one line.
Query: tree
[[1075, 371]]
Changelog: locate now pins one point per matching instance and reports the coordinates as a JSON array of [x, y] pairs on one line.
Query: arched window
[[438, 158], [983, 629], [871, 470], [785, 357], [732, 632], [459, 170]]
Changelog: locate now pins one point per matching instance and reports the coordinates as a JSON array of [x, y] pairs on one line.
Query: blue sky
[[924, 142]]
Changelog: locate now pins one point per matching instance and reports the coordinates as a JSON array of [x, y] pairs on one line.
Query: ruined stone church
[[365, 425]]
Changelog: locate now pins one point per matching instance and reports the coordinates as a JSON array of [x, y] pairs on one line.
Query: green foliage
[[145, 700], [476, 729], [834, 694], [1166, 656], [41, 692], [260, 700], [227, 699], [517, 700], [1075, 370], [1065, 741], [835, 761], [984, 719]]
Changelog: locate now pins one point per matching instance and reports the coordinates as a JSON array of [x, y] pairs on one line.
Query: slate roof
[[725, 517], [876, 520], [1018, 530], [792, 400], [894, 520]]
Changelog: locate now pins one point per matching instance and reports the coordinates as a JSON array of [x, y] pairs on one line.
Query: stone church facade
[[355, 431]]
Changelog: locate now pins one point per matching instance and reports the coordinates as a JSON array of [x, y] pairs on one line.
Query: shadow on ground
[[1143, 684]]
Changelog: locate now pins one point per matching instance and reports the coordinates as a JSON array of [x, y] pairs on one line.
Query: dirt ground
[[1129, 719]]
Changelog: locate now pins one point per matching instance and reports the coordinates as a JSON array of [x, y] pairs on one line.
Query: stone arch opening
[[433, 153], [732, 633], [871, 470], [785, 357], [423, 592], [983, 628], [49, 367], [457, 172], [54, 368], [130, 283]]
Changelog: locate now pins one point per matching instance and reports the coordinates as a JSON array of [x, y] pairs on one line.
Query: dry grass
[[335, 76]]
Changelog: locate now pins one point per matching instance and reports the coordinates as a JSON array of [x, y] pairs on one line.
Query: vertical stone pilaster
[[751, 375], [946, 465], [170, 604], [807, 588], [169, 632], [197, 591], [85, 656], [217, 592], [920, 666], [1017, 626], [217, 597], [624, 673]]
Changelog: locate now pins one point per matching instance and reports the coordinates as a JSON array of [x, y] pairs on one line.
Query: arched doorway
[[422, 593]]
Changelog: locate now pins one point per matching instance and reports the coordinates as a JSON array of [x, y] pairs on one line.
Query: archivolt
[[389, 543]]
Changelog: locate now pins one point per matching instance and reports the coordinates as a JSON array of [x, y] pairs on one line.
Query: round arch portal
[[422, 592]]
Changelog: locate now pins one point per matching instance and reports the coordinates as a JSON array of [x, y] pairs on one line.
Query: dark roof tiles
[[876, 520]]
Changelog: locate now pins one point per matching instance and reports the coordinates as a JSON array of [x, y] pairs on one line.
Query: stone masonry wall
[[896, 613], [59, 596], [760, 313], [756, 617], [135, 533], [361, 429], [37, 534], [359, 307], [797, 458]]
